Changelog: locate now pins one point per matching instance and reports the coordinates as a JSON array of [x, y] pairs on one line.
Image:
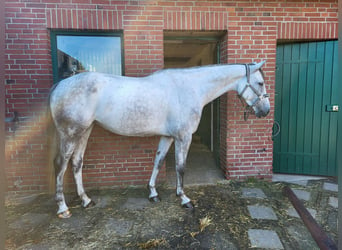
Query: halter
[[249, 108]]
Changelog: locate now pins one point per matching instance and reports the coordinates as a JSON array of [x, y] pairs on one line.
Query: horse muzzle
[[262, 113], [263, 108]]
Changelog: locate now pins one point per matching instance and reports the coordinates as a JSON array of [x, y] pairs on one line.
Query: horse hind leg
[[61, 160], [163, 148], [77, 164]]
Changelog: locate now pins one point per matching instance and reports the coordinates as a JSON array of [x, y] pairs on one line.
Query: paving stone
[[301, 194], [262, 212], [253, 193], [330, 187], [292, 212], [264, 239], [333, 201]]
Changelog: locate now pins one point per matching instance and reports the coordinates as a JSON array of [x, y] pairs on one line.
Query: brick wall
[[253, 29]]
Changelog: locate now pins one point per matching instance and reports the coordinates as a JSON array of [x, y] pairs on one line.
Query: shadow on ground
[[125, 219]]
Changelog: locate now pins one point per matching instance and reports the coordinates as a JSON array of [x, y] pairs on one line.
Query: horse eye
[[261, 83]]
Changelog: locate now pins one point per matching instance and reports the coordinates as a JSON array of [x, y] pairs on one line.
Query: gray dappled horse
[[168, 103]]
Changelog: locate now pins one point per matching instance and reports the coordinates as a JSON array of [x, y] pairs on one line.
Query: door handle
[[332, 108]]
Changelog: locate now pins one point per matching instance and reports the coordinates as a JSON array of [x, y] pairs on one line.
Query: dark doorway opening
[[188, 49]]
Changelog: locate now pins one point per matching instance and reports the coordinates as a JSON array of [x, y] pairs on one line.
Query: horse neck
[[217, 80]]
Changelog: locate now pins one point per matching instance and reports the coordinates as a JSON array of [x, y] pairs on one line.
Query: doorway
[[187, 49]]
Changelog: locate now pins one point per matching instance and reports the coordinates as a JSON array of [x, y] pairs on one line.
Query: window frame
[[53, 40]]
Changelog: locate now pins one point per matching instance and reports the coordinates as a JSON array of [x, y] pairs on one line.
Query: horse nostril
[[265, 113]]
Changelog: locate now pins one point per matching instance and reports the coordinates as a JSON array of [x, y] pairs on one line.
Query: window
[[75, 52]]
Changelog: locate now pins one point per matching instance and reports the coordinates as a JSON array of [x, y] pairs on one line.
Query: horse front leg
[[182, 147], [163, 148]]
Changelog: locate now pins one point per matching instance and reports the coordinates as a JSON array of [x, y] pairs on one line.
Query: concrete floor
[[295, 179], [200, 169]]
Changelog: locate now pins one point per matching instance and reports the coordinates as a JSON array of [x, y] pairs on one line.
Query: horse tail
[[52, 144]]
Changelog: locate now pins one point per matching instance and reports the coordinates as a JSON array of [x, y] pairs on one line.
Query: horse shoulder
[[184, 111]]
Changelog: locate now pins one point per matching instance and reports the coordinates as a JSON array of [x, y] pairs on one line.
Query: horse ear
[[257, 66]]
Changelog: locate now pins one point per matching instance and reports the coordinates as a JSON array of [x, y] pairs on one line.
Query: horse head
[[253, 90]]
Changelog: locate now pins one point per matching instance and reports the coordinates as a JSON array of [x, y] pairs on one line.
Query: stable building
[[47, 41]]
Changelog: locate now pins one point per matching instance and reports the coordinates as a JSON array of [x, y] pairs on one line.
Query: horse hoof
[[64, 215], [155, 199], [91, 204], [188, 206]]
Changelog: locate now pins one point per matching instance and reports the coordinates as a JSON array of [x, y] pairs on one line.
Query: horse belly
[[138, 118]]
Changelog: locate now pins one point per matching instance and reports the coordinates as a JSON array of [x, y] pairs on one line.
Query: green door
[[306, 107]]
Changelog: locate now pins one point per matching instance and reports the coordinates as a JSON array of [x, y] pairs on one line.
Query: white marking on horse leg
[[180, 184], [163, 148], [80, 189], [77, 164], [182, 148]]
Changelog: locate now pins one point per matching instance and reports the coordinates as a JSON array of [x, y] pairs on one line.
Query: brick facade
[[253, 29]]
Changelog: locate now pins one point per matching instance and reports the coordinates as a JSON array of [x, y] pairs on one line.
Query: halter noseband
[[249, 108]]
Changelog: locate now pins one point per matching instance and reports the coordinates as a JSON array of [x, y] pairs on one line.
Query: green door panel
[[306, 83]]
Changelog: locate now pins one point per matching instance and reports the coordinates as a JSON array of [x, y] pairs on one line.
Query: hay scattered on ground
[[220, 220], [148, 244], [204, 222]]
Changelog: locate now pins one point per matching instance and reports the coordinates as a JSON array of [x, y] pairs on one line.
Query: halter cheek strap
[[248, 72]]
